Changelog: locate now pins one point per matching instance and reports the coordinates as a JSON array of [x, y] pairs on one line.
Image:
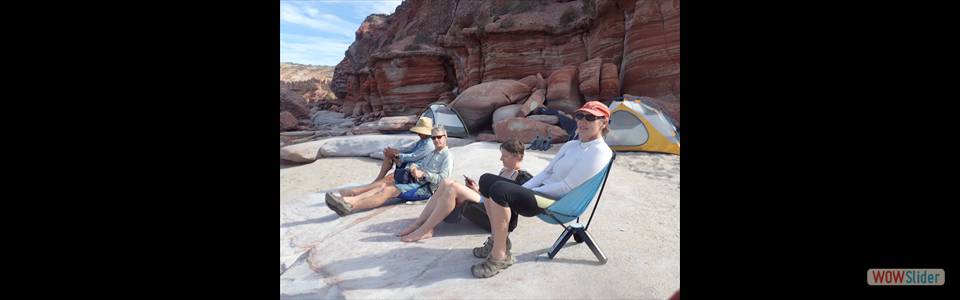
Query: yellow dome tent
[[636, 126]]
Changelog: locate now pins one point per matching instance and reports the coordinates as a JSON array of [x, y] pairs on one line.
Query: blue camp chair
[[574, 204]]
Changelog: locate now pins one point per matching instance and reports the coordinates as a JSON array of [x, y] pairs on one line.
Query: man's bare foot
[[417, 235], [408, 230]]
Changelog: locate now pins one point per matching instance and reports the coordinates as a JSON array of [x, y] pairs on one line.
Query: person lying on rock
[[451, 198], [413, 154], [576, 162], [427, 177]]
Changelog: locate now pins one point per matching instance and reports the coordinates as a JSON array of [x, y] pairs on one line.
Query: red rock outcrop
[[406, 85], [293, 102], [609, 82], [563, 90], [535, 81], [477, 104], [386, 125], [339, 83], [310, 81], [527, 129], [604, 38], [287, 121], [430, 50], [533, 102], [549, 119], [507, 112], [589, 75], [651, 61]]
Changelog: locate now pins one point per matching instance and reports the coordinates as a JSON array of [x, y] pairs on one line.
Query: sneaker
[[490, 267], [483, 252]]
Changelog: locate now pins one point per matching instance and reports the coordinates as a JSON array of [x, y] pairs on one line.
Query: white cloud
[[366, 8], [312, 18], [385, 7], [311, 50], [323, 32], [312, 11]]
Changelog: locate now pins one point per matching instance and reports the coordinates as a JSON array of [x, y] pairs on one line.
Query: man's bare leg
[[377, 199], [363, 189], [355, 198], [386, 166]]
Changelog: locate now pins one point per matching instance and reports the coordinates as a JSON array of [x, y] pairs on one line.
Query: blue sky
[[317, 32]]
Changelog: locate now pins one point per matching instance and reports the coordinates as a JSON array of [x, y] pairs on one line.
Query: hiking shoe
[[329, 201], [483, 252], [336, 203], [489, 267]]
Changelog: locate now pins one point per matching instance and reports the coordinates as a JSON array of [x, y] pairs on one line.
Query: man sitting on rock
[[426, 177], [415, 153]]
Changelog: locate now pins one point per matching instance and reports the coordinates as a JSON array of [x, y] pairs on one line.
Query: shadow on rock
[[400, 267], [390, 227], [321, 220], [541, 256], [443, 229]]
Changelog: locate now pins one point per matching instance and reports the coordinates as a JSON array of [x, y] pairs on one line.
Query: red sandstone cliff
[[430, 50]]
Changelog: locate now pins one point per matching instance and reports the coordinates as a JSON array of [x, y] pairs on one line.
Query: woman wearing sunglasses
[[433, 168], [576, 162]]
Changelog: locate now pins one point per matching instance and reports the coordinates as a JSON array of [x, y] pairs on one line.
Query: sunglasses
[[437, 137], [589, 117]]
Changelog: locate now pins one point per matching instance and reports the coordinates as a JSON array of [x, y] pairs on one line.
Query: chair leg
[[585, 236], [561, 241]]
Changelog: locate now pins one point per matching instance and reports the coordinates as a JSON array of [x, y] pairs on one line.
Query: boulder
[[287, 121], [526, 130], [533, 102], [548, 119], [563, 90], [387, 125], [486, 137], [609, 82], [302, 153], [535, 81], [589, 76], [452, 142], [506, 112], [364, 145], [477, 103], [294, 103]]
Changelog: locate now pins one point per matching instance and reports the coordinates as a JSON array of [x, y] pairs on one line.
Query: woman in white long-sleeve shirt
[[575, 163]]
